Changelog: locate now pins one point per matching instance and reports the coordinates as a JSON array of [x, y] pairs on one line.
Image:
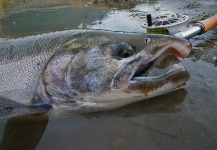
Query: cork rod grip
[[209, 23]]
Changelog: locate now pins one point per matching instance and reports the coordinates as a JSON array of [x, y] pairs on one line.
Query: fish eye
[[126, 54], [124, 50]]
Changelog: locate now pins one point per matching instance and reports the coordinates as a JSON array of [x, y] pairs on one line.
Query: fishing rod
[[199, 28], [177, 25]]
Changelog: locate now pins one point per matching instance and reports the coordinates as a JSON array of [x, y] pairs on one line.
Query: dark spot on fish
[[9, 108], [151, 87], [38, 64], [147, 87], [11, 53], [6, 110], [179, 77], [127, 91], [55, 40]]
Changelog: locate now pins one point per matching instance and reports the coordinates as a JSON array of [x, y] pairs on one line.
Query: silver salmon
[[86, 70]]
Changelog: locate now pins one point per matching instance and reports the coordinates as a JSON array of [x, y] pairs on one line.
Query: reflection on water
[[161, 104], [19, 18], [24, 132], [1, 9], [1, 16], [32, 22]]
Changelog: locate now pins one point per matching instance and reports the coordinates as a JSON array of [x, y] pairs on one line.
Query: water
[[183, 119]]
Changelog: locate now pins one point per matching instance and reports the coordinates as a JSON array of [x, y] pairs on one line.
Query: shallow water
[[183, 119]]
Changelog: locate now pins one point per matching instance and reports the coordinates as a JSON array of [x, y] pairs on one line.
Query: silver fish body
[[84, 70]]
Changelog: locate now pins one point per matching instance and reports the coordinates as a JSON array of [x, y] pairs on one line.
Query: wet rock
[[192, 5], [203, 15]]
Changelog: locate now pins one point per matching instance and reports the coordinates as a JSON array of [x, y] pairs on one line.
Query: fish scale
[[22, 61]]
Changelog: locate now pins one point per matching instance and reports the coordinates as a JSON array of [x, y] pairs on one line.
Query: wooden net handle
[[209, 23]]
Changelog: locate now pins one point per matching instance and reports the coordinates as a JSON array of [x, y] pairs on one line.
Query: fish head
[[103, 70]]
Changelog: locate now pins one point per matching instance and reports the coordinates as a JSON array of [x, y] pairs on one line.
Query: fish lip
[[152, 61], [175, 69]]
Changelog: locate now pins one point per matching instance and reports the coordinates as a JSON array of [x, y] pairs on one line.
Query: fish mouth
[[134, 70]]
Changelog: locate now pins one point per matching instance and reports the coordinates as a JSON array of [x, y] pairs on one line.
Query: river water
[[183, 119]]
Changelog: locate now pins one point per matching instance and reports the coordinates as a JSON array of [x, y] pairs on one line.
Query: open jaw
[[133, 71]]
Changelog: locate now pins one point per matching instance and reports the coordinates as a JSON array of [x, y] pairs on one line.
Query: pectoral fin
[[9, 109]]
